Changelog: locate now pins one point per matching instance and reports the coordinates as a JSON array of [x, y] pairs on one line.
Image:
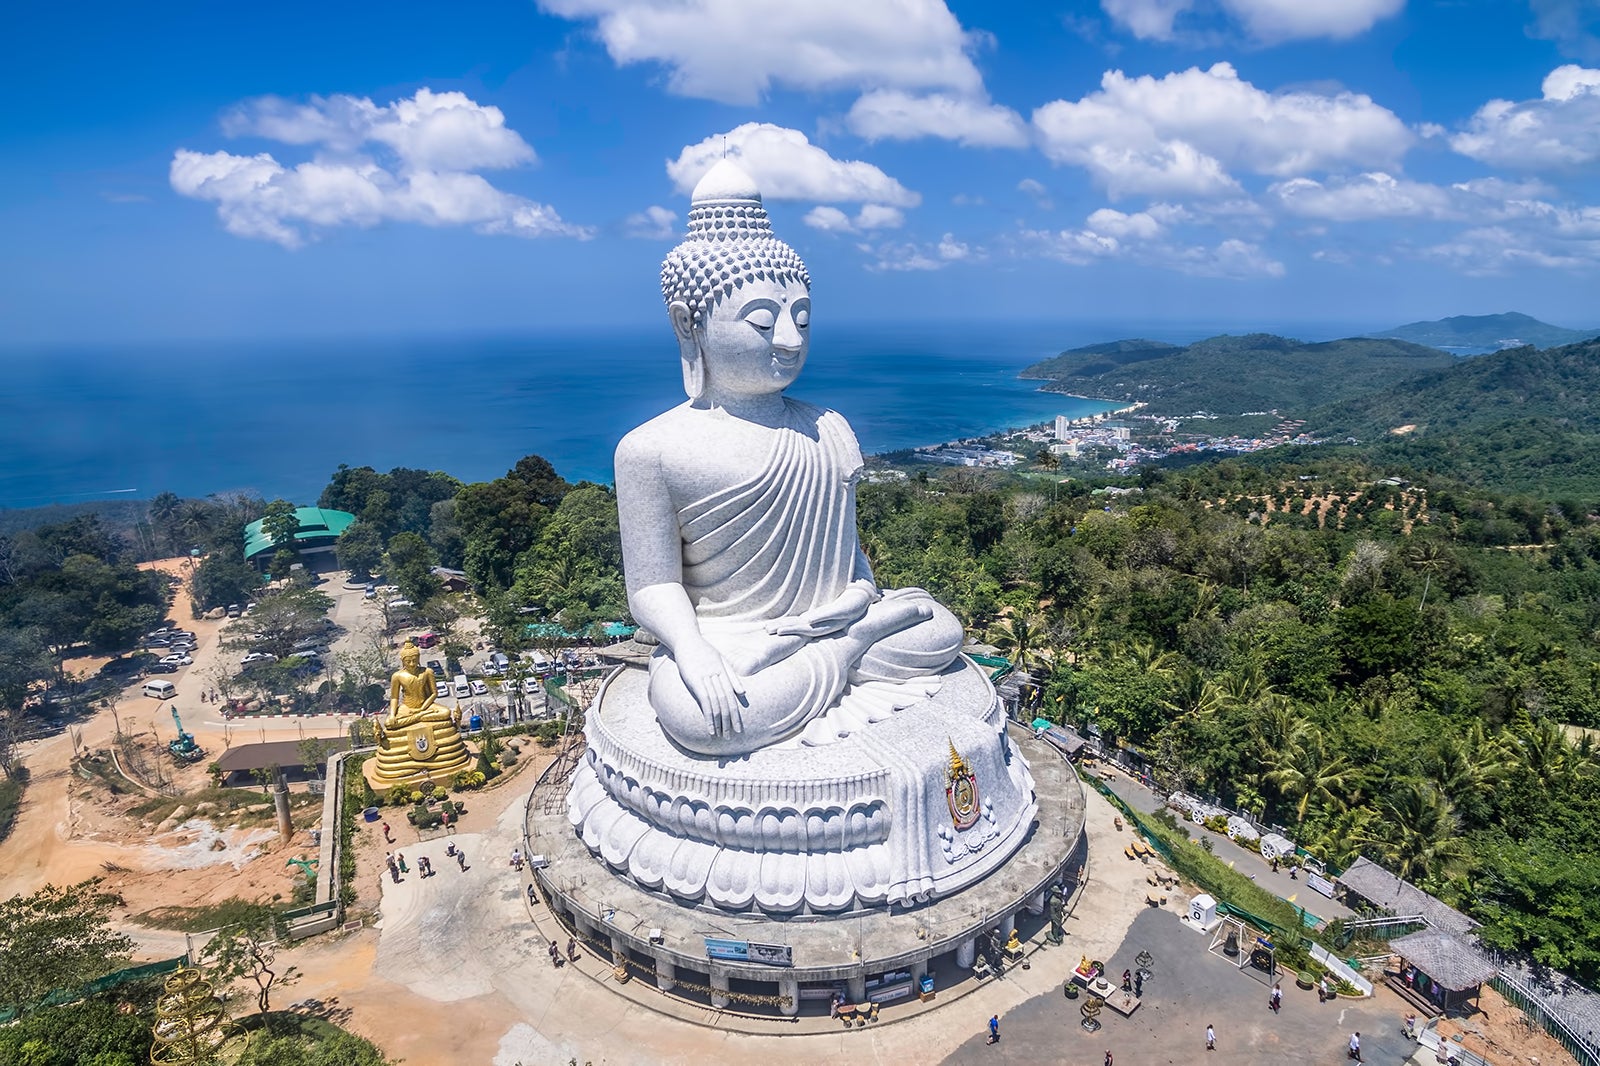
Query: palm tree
[[1143, 654], [1544, 752], [1304, 771], [1246, 685], [1339, 844], [1021, 637], [1472, 766], [1194, 694], [1419, 837]]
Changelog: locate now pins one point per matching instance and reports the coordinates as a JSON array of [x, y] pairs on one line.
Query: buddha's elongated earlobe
[[694, 361]]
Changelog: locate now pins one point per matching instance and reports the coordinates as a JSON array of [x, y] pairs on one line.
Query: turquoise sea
[[277, 418]]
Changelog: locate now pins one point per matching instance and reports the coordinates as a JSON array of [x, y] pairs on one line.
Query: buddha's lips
[[786, 362]]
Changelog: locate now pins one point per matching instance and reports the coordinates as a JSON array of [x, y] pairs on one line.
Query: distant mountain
[[1488, 332], [1230, 375]]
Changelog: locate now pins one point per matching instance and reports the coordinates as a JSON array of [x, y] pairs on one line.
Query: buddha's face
[[756, 340], [411, 659]]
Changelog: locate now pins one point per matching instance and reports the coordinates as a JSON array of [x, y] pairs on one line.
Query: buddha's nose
[[786, 335]]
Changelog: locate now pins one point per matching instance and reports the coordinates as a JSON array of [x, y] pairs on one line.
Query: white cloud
[[1178, 134], [654, 223], [952, 250], [1287, 20], [787, 166], [1146, 19], [1560, 129], [892, 114], [1365, 196], [1266, 20], [430, 131], [870, 217], [433, 141], [1492, 250], [1037, 191], [1573, 24], [734, 51], [1146, 237]]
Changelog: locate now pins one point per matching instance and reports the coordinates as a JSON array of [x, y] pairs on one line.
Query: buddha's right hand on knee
[[714, 684]]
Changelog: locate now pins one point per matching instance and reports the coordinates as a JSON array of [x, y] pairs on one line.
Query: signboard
[[772, 954], [749, 951], [892, 992], [1320, 883]]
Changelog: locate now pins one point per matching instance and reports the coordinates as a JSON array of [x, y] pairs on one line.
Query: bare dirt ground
[[452, 968]]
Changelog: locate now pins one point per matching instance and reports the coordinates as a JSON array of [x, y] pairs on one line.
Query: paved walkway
[[458, 953], [1244, 860], [1190, 988]]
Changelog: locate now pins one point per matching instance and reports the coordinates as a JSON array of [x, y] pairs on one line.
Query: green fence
[[99, 985], [1234, 892]]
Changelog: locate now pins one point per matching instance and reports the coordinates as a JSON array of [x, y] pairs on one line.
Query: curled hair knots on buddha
[[730, 242]]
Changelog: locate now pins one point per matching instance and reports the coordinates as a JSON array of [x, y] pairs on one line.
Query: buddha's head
[[739, 298], [410, 656]]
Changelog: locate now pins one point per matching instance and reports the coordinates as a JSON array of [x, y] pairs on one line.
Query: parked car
[[461, 688], [370, 593], [492, 669], [158, 642], [479, 688], [177, 660], [438, 670], [530, 685], [161, 668], [258, 657], [234, 610]]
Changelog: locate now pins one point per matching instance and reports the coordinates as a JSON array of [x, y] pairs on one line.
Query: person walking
[[387, 836], [461, 860], [1275, 1001], [994, 1029], [424, 866], [1108, 1057], [1127, 980], [394, 871], [1138, 983], [1355, 1046], [572, 950], [400, 857], [1211, 1038]]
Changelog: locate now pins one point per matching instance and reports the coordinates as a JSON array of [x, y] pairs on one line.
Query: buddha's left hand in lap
[[851, 605]]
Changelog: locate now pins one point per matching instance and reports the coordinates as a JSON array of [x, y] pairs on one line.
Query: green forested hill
[[1229, 374], [1560, 383], [1517, 420], [1510, 330]]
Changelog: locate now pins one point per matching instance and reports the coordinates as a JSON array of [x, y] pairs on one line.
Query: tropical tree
[[1305, 772], [248, 949], [1419, 835], [57, 938]]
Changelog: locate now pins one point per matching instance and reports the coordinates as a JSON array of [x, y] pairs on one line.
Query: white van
[[161, 690], [461, 687]]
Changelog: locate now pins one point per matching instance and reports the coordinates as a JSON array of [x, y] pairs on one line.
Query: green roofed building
[[319, 528]]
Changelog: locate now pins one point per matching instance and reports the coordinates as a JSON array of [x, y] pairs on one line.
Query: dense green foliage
[[335, 1048], [1229, 375], [1388, 683], [94, 1032], [57, 938]]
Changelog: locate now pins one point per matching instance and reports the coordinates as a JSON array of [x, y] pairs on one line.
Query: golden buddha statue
[[419, 739]]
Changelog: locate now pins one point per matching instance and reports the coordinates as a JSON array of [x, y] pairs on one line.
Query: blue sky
[[176, 170]]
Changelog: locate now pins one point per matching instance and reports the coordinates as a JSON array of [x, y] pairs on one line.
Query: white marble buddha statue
[[738, 507]]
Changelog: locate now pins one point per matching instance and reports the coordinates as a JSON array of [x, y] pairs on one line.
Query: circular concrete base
[[878, 955]]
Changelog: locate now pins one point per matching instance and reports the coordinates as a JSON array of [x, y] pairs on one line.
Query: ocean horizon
[[278, 417]]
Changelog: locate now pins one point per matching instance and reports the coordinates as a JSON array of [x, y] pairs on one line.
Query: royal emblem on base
[[421, 742], [961, 790]]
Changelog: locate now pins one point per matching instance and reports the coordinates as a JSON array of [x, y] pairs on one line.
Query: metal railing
[[1530, 1003]]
